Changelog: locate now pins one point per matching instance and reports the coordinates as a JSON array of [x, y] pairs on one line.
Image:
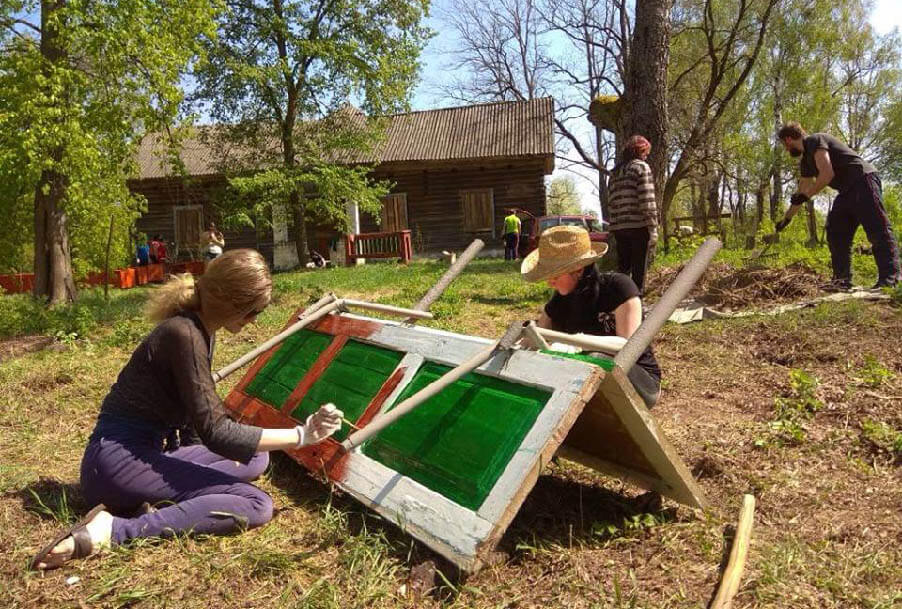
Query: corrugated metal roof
[[482, 131]]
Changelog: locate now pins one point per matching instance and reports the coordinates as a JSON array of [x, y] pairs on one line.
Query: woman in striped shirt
[[634, 218]]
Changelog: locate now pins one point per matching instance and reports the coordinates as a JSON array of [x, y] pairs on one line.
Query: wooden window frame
[[383, 227], [191, 247], [491, 212]]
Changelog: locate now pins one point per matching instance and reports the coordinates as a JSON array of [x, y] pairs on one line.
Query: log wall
[[434, 212], [434, 205], [164, 194]]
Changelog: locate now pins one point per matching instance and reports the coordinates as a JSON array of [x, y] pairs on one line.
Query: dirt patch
[[726, 287], [19, 345]]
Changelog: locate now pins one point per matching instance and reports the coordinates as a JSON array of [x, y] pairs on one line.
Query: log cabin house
[[454, 170]]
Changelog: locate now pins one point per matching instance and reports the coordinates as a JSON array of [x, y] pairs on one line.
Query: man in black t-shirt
[[824, 160]]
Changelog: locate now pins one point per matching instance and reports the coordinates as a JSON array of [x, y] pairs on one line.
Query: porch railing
[[379, 245]]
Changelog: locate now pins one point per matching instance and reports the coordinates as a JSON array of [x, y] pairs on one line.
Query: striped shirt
[[631, 197]]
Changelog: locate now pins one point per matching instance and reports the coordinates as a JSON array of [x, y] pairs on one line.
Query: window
[[478, 210], [394, 212], [188, 225], [546, 223]]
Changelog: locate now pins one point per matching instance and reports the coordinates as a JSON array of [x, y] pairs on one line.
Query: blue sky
[[437, 62]]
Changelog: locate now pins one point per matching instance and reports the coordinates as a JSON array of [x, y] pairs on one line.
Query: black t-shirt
[[590, 309], [848, 166]]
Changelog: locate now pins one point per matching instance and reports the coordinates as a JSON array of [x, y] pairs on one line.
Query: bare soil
[[726, 287]]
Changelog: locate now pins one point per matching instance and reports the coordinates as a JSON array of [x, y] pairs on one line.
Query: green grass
[[821, 537]]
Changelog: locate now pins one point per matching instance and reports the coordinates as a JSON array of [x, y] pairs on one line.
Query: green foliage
[[792, 410], [22, 315], [82, 113], [279, 77], [882, 436], [562, 197], [873, 374]]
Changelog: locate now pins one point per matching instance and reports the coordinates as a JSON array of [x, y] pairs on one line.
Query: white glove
[[320, 425]]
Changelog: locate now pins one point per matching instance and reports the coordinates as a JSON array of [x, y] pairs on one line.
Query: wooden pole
[[609, 344], [106, 264], [304, 321], [729, 584], [383, 308], [385, 419], [666, 305], [450, 275]]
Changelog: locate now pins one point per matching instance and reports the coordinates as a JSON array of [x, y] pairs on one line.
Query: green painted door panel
[[350, 382], [459, 442], [288, 365]]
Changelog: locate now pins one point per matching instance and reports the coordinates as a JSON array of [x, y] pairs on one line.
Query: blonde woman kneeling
[[163, 438]]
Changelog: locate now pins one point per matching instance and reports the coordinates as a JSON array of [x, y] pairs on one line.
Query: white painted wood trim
[[452, 530]]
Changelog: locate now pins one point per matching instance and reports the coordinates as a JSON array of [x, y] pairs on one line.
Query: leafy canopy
[[118, 76]]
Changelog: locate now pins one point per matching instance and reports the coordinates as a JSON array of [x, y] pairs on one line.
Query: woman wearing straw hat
[[603, 304]]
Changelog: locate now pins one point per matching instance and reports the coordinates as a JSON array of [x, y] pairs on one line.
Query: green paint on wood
[[350, 382], [458, 442], [288, 365], [603, 362]]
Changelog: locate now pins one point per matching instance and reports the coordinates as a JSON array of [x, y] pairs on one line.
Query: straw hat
[[562, 249]]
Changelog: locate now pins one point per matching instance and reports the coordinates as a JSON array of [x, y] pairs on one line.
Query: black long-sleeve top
[[168, 383]]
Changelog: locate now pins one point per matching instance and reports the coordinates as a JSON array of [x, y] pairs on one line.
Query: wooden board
[[464, 522], [617, 435]]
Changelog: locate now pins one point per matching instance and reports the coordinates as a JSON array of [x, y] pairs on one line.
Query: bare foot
[[100, 529]]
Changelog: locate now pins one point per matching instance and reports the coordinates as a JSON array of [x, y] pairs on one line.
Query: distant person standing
[[212, 242], [634, 216], [162, 252], [825, 160], [511, 234], [142, 254]]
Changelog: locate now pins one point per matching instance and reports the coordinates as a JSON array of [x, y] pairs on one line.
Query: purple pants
[[193, 489]]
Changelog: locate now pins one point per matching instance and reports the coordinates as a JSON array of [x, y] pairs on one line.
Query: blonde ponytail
[[177, 294]]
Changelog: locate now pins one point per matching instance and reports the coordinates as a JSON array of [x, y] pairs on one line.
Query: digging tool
[[385, 419], [326, 305], [666, 305]]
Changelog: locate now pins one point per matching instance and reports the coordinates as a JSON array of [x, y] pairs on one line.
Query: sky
[[437, 65]]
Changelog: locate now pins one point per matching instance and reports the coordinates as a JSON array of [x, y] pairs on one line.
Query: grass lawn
[[801, 410]]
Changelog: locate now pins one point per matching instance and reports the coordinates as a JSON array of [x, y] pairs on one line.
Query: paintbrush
[[351, 425]]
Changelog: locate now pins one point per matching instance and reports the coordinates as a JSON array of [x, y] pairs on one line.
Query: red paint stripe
[[355, 328], [319, 366], [376, 403], [326, 459]]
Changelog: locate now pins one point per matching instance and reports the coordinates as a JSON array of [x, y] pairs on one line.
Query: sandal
[[81, 537]]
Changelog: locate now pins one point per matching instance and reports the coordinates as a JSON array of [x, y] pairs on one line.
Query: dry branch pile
[[729, 288]]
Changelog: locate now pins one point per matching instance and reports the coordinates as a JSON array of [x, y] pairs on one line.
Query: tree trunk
[[299, 210], [52, 258], [759, 204], [646, 87], [776, 193], [602, 178]]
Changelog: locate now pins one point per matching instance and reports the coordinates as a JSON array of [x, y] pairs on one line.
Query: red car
[[533, 227]]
